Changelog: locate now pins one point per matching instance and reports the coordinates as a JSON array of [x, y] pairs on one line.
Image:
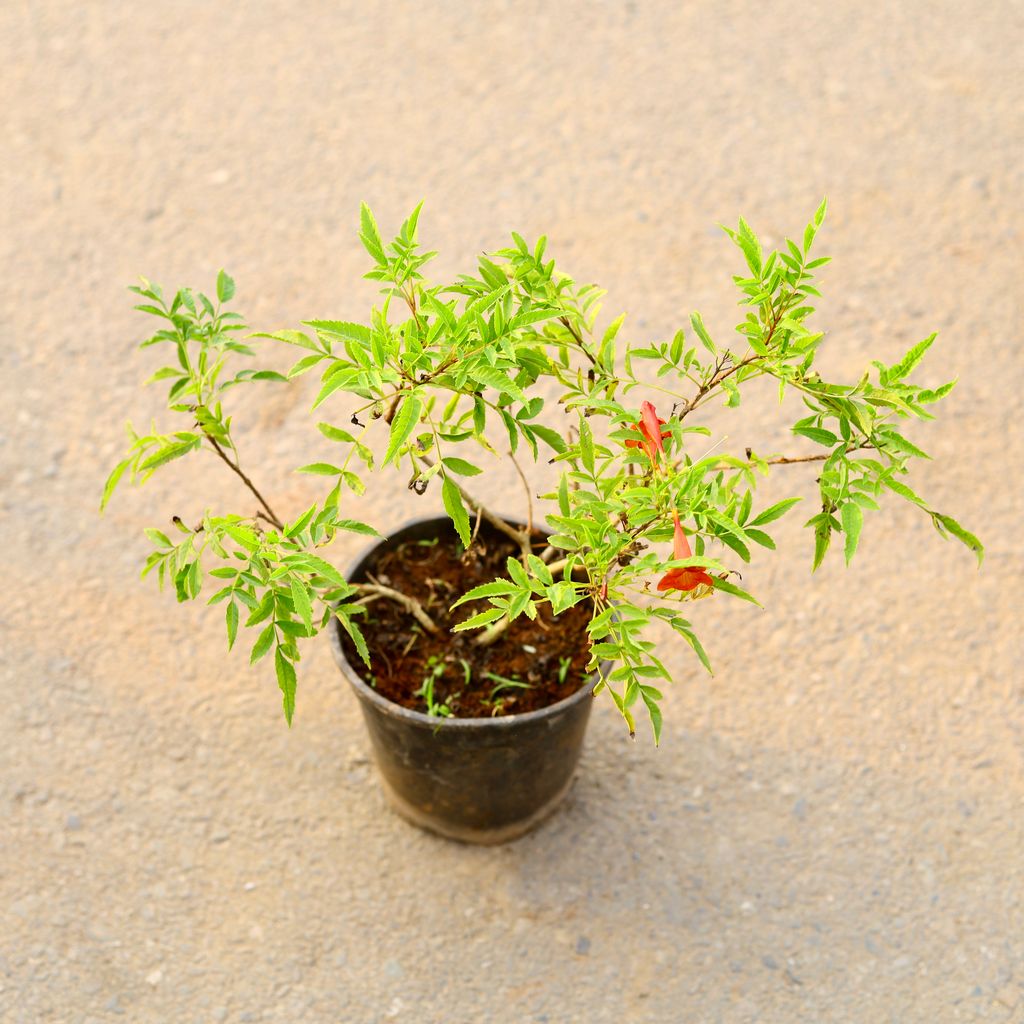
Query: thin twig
[[271, 515], [718, 376], [410, 604], [789, 460], [784, 460], [526, 488], [476, 527], [567, 324]]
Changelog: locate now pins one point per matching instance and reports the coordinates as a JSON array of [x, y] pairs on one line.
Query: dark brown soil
[[546, 655]]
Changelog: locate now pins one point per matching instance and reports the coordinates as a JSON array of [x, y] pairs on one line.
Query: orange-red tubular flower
[[689, 577], [650, 427]]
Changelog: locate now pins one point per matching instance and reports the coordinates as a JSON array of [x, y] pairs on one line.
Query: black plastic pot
[[478, 780]]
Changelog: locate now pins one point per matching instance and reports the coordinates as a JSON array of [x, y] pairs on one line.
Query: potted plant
[[473, 641]]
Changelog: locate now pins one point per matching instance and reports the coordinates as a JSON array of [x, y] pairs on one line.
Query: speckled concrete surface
[[832, 829]]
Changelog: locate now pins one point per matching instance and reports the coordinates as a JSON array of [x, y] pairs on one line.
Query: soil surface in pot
[[533, 664]]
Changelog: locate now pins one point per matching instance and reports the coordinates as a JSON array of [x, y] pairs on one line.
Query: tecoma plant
[[646, 516]]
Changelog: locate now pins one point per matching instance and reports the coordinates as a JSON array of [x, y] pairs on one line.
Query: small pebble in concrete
[[583, 945]]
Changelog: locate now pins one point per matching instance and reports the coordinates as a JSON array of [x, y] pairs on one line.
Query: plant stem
[[529, 497], [271, 514], [567, 324], [410, 604], [521, 537], [718, 376]]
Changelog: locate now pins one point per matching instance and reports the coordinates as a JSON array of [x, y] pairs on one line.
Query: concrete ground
[[832, 828]]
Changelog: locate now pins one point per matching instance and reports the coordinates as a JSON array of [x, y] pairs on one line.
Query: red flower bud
[[686, 578], [650, 427]]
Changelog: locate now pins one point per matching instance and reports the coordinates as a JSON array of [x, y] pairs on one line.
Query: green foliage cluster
[[454, 373]]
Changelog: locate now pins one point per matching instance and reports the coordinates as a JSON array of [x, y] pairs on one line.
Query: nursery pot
[[478, 780]]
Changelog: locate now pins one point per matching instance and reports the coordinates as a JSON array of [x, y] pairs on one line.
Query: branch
[[789, 460], [718, 376], [521, 537], [567, 324], [529, 497], [410, 604], [271, 515], [784, 460]]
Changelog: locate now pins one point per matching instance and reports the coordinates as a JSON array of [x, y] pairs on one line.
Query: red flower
[[650, 427], [689, 577]]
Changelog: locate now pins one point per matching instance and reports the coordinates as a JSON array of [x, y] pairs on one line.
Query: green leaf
[[112, 481], [335, 433], [353, 482], [760, 537], [822, 539], [894, 439], [653, 710], [225, 287], [343, 379], [962, 535], [730, 588], [302, 522], [461, 466], [263, 610], [263, 643], [496, 588], [286, 680], [698, 649], [930, 395], [320, 469], [356, 526], [456, 510], [303, 608], [540, 570], [586, 445], [231, 617], [903, 490], [370, 235], [904, 367], [702, 333], [316, 564], [169, 453], [563, 496], [341, 329], [550, 437], [481, 619], [606, 351], [403, 424], [492, 377], [353, 630], [244, 536], [818, 434], [747, 241], [517, 572], [853, 520]]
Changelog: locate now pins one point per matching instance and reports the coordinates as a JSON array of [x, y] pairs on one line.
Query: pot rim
[[367, 692]]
